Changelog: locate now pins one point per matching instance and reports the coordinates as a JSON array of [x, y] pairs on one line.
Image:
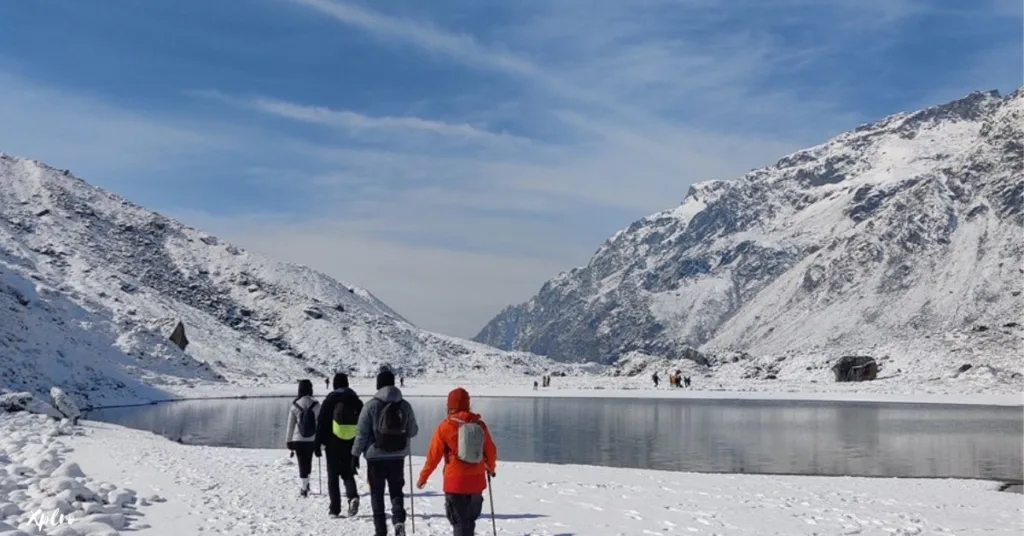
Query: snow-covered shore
[[596, 387], [213, 490]]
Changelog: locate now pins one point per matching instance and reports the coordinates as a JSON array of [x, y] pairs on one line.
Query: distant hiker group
[[675, 380], [343, 429]]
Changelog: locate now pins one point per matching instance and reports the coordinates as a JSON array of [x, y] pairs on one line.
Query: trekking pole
[[490, 495], [412, 496], [320, 474]]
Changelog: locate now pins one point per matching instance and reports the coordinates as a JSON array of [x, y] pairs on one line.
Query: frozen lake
[[729, 436]]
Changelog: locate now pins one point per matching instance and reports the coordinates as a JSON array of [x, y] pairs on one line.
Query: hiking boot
[[399, 529], [333, 515], [353, 506]]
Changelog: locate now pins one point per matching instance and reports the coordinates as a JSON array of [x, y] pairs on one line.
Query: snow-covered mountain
[[904, 237], [92, 286]]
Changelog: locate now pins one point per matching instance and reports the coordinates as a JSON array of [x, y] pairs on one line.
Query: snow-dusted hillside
[[91, 286], [900, 238]]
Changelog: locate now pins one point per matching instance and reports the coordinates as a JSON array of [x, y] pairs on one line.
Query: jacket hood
[[389, 393], [306, 402], [466, 415]]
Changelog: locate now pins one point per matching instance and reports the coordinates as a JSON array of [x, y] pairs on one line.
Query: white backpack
[[470, 448]]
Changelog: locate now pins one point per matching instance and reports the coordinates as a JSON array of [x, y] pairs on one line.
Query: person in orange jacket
[[465, 470]]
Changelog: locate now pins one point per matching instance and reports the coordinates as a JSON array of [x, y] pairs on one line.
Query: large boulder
[[178, 336], [24, 401], [855, 368]]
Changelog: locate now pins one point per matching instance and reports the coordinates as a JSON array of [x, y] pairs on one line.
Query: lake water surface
[[732, 436]]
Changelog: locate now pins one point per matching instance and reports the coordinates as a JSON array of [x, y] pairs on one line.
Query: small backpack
[[345, 419], [306, 420], [391, 433], [470, 445]]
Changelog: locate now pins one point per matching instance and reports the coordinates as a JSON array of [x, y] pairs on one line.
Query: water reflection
[[821, 438]]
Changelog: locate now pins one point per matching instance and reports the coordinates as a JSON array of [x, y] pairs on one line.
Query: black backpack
[[345, 417], [391, 433], [306, 420]]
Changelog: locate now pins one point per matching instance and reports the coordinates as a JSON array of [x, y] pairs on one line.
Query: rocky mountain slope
[[92, 286], [903, 237]]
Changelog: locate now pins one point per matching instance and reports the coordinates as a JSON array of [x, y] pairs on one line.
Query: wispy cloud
[[354, 121], [423, 35]]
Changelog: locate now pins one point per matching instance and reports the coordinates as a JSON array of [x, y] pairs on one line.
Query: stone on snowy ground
[[156, 499], [56, 485], [92, 508], [94, 529], [54, 504], [120, 497], [106, 487], [114, 521], [8, 510], [69, 469], [20, 470]]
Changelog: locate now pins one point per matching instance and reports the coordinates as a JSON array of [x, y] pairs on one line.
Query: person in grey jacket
[[303, 446], [385, 443]]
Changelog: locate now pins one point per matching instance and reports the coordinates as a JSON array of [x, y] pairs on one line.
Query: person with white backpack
[[301, 434], [463, 441]]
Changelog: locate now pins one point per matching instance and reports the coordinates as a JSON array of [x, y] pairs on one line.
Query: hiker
[[327, 384], [301, 435], [64, 404], [534, 385], [335, 432], [655, 378], [401, 381], [463, 441], [686, 381], [386, 425]]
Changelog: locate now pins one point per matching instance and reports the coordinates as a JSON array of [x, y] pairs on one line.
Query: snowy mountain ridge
[[897, 238], [92, 285]]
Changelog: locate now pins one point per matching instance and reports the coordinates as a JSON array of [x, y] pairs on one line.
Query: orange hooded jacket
[[459, 477]]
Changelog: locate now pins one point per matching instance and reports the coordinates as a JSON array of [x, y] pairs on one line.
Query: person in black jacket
[[335, 431]]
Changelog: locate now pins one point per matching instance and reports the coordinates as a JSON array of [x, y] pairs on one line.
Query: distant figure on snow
[[401, 381], [301, 435], [534, 385], [327, 384], [65, 405], [465, 445], [686, 381], [655, 378], [336, 432]]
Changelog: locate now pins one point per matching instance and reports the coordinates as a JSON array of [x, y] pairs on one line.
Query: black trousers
[[462, 512], [304, 454], [392, 474], [339, 466]]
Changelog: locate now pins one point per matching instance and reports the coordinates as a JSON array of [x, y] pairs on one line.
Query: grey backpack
[[470, 447]]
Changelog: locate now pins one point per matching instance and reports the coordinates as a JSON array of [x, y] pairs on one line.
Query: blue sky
[[453, 155]]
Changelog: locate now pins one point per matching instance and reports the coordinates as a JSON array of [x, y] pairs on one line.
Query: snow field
[[225, 491], [42, 492]]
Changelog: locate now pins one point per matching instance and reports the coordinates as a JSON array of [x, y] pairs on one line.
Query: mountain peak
[[71, 253], [888, 238]]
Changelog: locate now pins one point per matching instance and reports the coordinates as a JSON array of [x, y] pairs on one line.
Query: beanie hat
[[385, 378], [458, 399], [340, 380]]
